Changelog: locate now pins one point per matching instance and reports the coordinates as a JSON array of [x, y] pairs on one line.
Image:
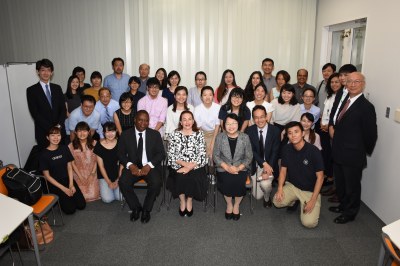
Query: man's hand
[[309, 206], [134, 170], [267, 169], [145, 170], [279, 195]]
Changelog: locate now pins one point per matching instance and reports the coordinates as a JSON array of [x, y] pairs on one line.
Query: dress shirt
[[144, 154], [345, 92], [157, 109], [194, 97], [93, 120], [44, 87], [117, 86], [101, 108]]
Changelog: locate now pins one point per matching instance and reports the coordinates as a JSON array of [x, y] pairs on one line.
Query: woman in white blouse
[[307, 120], [174, 111], [206, 116], [187, 159], [260, 91], [332, 86]]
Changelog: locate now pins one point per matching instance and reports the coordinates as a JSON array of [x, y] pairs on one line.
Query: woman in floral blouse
[[187, 159]]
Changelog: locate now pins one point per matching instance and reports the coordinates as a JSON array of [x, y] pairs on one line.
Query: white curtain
[[184, 35]]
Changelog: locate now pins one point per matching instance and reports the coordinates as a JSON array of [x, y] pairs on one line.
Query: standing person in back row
[[301, 85], [269, 80], [355, 134], [46, 104], [118, 81]]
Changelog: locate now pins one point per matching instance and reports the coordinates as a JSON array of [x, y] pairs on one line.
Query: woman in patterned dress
[[85, 164], [187, 159]]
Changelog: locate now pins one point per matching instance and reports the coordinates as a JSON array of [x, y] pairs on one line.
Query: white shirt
[[44, 87], [345, 92], [207, 118], [144, 154], [172, 120], [268, 107]]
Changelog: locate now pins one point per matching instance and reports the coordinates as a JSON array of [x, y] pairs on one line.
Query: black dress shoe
[[342, 219], [189, 213], [336, 209], [228, 216], [235, 217], [267, 204], [182, 213], [145, 217], [135, 214], [294, 207]]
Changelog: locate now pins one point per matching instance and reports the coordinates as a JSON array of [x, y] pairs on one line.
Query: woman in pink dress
[[85, 164]]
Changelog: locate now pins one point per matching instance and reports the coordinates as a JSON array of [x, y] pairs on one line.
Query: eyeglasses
[[231, 124], [357, 81]]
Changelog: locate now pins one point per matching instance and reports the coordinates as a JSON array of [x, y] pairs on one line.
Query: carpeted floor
[[103, 235]]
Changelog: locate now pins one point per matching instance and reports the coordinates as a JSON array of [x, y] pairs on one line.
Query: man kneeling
[[303, 166]]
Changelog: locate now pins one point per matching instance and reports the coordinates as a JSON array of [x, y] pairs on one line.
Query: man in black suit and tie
[[354, 136], [265, 142], [46, 103], [140, 151]]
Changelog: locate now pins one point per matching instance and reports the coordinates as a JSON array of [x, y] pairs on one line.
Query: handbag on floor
[[47, 232]]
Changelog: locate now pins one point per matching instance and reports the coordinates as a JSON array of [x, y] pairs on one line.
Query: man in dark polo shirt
[[303, 166]]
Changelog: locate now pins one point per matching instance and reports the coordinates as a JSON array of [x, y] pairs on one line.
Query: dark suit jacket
[[43, 114], [271, 146], [338, 96], [127, 147], [355, 134]]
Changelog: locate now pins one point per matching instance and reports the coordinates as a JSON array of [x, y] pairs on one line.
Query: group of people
[[121, 132]]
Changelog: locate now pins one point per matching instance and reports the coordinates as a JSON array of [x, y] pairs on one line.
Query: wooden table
[[13, 213]]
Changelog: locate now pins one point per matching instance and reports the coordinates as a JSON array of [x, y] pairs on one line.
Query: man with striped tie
[[106, 107]]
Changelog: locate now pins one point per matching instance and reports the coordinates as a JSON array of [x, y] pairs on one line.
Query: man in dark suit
[[355, 135], [140, 151], [46, 103], [265, 141]]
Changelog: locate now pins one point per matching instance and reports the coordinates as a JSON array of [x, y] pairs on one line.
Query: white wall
[[185, 35], [381, 179]]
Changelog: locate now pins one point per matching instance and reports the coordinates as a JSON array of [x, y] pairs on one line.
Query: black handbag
[[22, 185]]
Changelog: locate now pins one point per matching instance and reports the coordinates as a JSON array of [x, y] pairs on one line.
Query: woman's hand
[[184, 170]]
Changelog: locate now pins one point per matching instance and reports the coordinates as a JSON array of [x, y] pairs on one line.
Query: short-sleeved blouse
[[110, 161]]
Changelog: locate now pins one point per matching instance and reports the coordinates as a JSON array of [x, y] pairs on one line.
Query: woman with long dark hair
[[225, 87], [236, 105], [254, 79]]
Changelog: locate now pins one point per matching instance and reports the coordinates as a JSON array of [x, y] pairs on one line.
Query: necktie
[[261, 143], [108, 117], [345, 107], [140, 151], [48, 95]]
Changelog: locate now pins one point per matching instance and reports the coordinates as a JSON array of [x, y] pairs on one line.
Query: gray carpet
[[103, 235]]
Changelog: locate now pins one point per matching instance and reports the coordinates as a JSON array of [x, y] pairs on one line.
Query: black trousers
[[348, 188], [326, 152], [154, 183], [68, 204]]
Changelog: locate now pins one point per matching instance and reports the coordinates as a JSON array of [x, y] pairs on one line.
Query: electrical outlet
[[387, 112]]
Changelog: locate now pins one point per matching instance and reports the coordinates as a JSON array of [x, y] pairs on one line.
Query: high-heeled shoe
[[236, 217], [228, 216], [189, 213], [182, 213]]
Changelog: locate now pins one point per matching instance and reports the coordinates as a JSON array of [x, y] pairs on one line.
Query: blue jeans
[[107, 194]]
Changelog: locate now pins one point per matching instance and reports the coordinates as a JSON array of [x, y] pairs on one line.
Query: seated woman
[[260, 92], [125, 115], [85, 163], [187, 158], [56, 164], [206, 116], [232, 156], [108, 167], [236, 105], [307, 120], [174, 111]]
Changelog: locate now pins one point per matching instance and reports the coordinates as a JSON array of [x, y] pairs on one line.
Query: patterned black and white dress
[[191, 148]]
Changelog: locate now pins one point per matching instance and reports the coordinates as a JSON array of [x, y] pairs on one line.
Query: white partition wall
[[18, 135], [8, 145]]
